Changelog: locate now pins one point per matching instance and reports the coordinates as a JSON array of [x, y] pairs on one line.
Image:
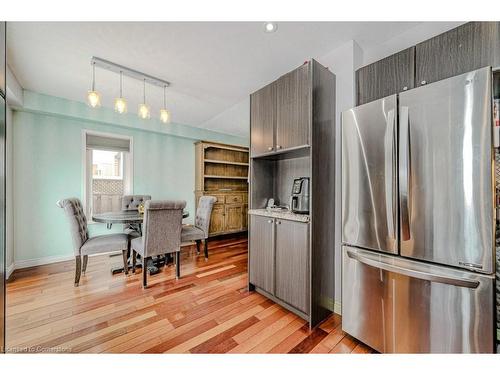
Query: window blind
[[99, 142]]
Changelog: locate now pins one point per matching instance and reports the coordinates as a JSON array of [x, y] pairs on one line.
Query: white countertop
[[283, 214]]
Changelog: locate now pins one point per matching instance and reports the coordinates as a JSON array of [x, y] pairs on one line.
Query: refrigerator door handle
[[433, 277], [390, 165], [404, 172]]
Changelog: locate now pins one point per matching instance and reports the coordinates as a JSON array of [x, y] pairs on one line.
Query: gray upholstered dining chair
[[199, 231], [83, 245], [161, 234], [131, 203]]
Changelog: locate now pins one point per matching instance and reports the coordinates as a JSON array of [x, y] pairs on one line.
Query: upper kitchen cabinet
[[293, 110], [2, 58], [468, 47], [263, 118], [386, 77]]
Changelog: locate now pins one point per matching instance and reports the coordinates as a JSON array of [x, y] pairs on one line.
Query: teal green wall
[[47, 163]]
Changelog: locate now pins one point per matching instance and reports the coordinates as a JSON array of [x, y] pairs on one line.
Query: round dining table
[[134, 218]]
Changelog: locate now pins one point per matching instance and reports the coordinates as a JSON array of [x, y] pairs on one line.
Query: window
[[108, 171]]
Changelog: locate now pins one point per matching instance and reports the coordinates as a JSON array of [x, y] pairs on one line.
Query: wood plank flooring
[[208, 310]]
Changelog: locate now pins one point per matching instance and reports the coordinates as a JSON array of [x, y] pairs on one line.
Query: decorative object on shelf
[[144, 111], [164, 112], [120, 102], [93, 97]]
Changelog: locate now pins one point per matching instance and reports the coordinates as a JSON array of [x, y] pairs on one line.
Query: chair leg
[[125, 261], [134, 260], [178, 265], [206, 248], [198, 243], [85, 260], [78, 269], [145, 272]]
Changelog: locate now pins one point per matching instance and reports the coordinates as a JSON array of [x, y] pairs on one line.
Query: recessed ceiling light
[[270, 27]]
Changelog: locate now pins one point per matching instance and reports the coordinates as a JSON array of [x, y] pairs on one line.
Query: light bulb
[[120, 105], [164, 115], [270, 27], [144, 112], [93, 99]]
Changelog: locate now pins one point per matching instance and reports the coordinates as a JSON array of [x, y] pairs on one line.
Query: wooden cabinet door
[[217, 219], [385, 77], [293, 108], [468, 47], [292, 263], [262, 120], [261, 253], [233, 217]]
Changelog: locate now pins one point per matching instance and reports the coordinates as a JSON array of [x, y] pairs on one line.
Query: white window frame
[[128, 166]]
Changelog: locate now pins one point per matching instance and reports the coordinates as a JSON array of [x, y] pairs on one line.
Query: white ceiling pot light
[[120, 103], [270, 27], [93, 97]]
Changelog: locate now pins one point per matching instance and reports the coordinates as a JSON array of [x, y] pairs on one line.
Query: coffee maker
[[299, 200]]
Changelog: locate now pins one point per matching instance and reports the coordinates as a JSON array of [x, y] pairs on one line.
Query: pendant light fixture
[[93, 97], [144, 111], [120, 102], [164, 112]]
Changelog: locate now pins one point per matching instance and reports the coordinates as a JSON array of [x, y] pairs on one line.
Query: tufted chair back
[[77, 221], [132, 202], [203, 213], [162, 227]]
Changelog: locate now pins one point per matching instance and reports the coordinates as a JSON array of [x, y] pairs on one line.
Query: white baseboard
[[41, 261], [9, 270], [45, 260], [337, 308]]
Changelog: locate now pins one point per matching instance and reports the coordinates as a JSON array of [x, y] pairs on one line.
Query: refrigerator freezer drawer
[[397, 305]]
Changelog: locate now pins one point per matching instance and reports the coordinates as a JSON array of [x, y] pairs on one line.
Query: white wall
[[9, 212], [14, 98], [235, 120]]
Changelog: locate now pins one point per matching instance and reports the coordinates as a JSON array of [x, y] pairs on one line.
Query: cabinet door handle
[[278, 222], [405, 88], [270, 148], [278, 147], [423, 82], [270, 221]]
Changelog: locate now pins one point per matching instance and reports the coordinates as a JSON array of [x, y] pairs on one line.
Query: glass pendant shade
[[165, 115], [144, 111], [94, 99], [120, 105]]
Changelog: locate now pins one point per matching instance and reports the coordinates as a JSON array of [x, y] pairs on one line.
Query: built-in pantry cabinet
[[292, 133], [468, 47]]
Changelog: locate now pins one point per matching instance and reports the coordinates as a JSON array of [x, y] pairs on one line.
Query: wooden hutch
[[222, 172]]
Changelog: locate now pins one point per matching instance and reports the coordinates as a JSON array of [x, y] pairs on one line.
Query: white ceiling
[[212, 66]]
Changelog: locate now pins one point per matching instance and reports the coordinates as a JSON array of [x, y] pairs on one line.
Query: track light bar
[[117, 68]]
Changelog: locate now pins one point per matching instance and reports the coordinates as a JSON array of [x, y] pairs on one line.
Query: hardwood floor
[[208, 310]]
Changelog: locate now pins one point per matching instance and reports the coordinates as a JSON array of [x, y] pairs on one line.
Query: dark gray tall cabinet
[[292, 134], [468, 47]]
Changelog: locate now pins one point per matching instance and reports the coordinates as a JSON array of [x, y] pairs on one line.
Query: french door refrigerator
[[418, 219]]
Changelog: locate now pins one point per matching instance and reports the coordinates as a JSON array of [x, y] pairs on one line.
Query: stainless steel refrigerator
[[418, 219]]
